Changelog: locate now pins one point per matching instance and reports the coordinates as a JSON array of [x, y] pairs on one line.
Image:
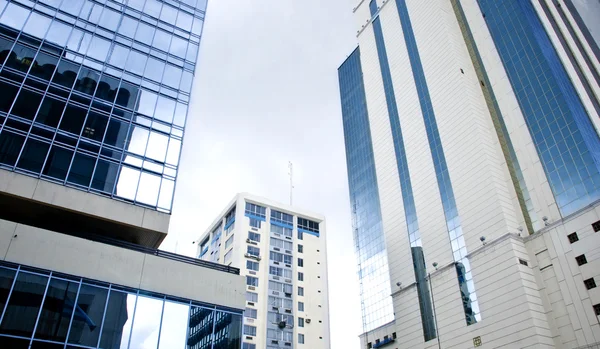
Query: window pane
[[107, 88], [168, 14], [128, 26], [109, 19], [127, 183], [138, 140], [7, 97], [72, 6], [14, 343], [20, 58], [192, 52], [178, 46], [10, 146], [186, 81], [85, 328], [87, 81], [172, 76], [33, 156], [154, 69], [116, 133], [105, 176], [24, 305], [136, 62], [166, 194], [147, 102], [72, 120], [14, 16], [144, 33], [229, 332], [37, 25], [27, 104], [157, 146], [127, 95], [118, 57], [99, 48], [162, 40], [173, 153], [66, 73], [7, 277], [180, 114], [58, 33], [197, 27], [58, 162], [148, 189], [81, 170], [50, 111], [165, 108], [147, 323], [57, 310], [44, 67], [174, 326], [184, 21], [152, 8], [95, 126], [117, 322]]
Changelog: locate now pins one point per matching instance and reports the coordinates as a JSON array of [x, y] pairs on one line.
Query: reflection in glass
[[118, 57], [147, 323], [7, 277], [33, 155], [116, 133], [116, 328], [173, 153], [138, 140], [10, 146], [14, 16], [128, 26], [172, 76], [99, 48], [200, 327], [58, 162], [81, 169], [87, 319], [154, 69], [157, 146], [127, 183], [44, 67], [14, 343], [166, 194], [136, 62], [37, 25], [58, 33], [173, 333], [20, 58], [147, 102], [56, 311], [27, 104], [148, 189], [24, 305], [105, 176], [164, 109], [72, 6]]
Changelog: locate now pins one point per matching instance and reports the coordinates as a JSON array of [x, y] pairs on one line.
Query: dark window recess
[[81, 170], [573, 237], [589, 283], [50, 112], [9, 92], [596, 226], [581, 260], [524, 262], [27, 104], [369, 345], [33, 156], [394, 335], [58, 162], [597, 309], [10, 146]]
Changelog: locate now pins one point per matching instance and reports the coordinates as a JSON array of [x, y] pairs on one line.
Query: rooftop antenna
[[291, 174]]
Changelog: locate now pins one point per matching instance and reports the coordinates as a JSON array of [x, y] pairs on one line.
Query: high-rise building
[[93, 102], [473, 153], [282, 253]]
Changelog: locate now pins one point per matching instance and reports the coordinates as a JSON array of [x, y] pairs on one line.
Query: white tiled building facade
[[281, 252], [472, 141]]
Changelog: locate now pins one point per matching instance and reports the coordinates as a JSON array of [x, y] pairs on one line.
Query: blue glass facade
[[371, 252], [408, 201], [95, 93], [459, 250], [42, 309], [565, 139]]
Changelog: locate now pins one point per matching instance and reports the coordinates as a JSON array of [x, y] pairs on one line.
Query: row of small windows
[[281, 217], [256, 210], [308, 225]]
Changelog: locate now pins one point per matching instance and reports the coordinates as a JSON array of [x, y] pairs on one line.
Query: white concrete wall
[[66, 254], [316, 301]]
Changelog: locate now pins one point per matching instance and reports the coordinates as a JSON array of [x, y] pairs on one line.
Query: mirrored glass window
[[116, 328], [172, 76], [37, 25], [166, 194], [173, 332], [146, 324], [127, 183], [59, 33], [58, 162], [14, 16], [24, 304], [128, 26], [55, 317]]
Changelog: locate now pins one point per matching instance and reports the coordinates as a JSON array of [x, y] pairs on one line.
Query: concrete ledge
[[71, 255], [45, 205]]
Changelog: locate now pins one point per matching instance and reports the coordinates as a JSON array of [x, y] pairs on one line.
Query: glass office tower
[[95, 93]]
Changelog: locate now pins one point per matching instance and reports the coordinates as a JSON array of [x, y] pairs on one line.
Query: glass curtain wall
[[95, 92], [50, 310]]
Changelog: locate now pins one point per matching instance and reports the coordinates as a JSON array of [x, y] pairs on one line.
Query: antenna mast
[[291, 174]]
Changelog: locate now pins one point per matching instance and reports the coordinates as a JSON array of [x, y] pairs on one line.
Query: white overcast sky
[[266, 93]]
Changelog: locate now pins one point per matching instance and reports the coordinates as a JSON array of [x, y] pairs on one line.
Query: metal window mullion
[[187, 330], [137, 296], [73, 314], [10, 293], [108, 292], [212, 344], [162, 313], [41, 308]]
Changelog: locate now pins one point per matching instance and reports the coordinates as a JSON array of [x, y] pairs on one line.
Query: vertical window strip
[[453, 224], [373, 271], [429, 331]]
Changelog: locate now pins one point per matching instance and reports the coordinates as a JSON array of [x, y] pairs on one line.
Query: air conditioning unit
[[248, 240], [276, 249], [288, 311], [308, 321]]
